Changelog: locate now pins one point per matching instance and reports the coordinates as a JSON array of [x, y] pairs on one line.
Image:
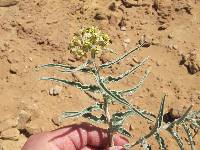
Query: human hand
[[74, 137]]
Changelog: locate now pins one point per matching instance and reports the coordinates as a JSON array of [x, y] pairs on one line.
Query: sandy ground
[[35, 32]]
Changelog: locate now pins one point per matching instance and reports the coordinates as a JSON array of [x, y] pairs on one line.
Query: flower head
[[87, 40]]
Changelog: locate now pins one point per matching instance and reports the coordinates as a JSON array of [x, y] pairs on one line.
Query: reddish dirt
[[37, 32]]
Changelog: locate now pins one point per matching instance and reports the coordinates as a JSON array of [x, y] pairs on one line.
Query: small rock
[[122, 24], [123, 28], [146, 41], [10, 134], [13, 69], [170, 36], [175, 47], [131, 127], [113, 6], [113, 20], [100, 16], [56, 120], [24, 118], [126, 42], [7, 124], [163, 27], [55, 90], [8, 3], [155, 42], [192, 61], [33, 128]]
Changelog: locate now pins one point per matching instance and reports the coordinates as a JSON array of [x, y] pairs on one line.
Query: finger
[[116, 148], [119, 140], [81, 136]]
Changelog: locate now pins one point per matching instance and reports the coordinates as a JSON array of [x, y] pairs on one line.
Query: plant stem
[[110, 130]]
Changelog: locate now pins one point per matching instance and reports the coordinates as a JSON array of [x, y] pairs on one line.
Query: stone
[[13, 69], [113, 20], [33, 128], [23, 119], [122, 24], [146, 41], [56, 120], [123, 28], [10, 134], [100, 16], [131, 127], [8, 3], [7, 124], [113, 6], [55, 90], [192, 61]]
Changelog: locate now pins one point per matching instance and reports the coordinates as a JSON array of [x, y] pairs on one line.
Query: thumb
[[115, 148]]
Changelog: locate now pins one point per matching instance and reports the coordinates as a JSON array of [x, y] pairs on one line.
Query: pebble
[[10, 134], [147, 40], [113, 6], [100, 16], [123, 28], [113, 20], [13, 69], [126, 42], [8, 3], [55, 90], [131, 127], [7, 124], [23, 119], [33, 128], [56, 120]]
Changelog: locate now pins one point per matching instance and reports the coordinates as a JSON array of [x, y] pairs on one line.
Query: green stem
[[110, 133]]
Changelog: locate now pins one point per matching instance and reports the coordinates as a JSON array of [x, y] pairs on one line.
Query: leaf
[[189, 135], [160, 114], [118, 118], [132, 70], [195, 122], [57, 65], [71, 69], [176, 137], [144, 144], [97, 106], [160, 141], [95, 119], [124, 132], [79, 85], [108, 64], [136, 87]]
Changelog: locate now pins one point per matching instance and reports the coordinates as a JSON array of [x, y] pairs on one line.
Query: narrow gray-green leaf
[[189, 135], [71, 69], [177, 138], [132, 70], [118, 118], [160, 114], [145, 144], [108, 64], [136, 87], [79, 85], [97, 106], [95, 119], [160, 141], [124, 132]]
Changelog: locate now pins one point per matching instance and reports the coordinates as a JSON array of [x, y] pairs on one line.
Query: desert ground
[[36, 32]]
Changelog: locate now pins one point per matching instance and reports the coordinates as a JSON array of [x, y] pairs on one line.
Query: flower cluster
[[87, 40]]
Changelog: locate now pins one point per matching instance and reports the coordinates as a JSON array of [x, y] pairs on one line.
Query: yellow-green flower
[[87, 40]]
